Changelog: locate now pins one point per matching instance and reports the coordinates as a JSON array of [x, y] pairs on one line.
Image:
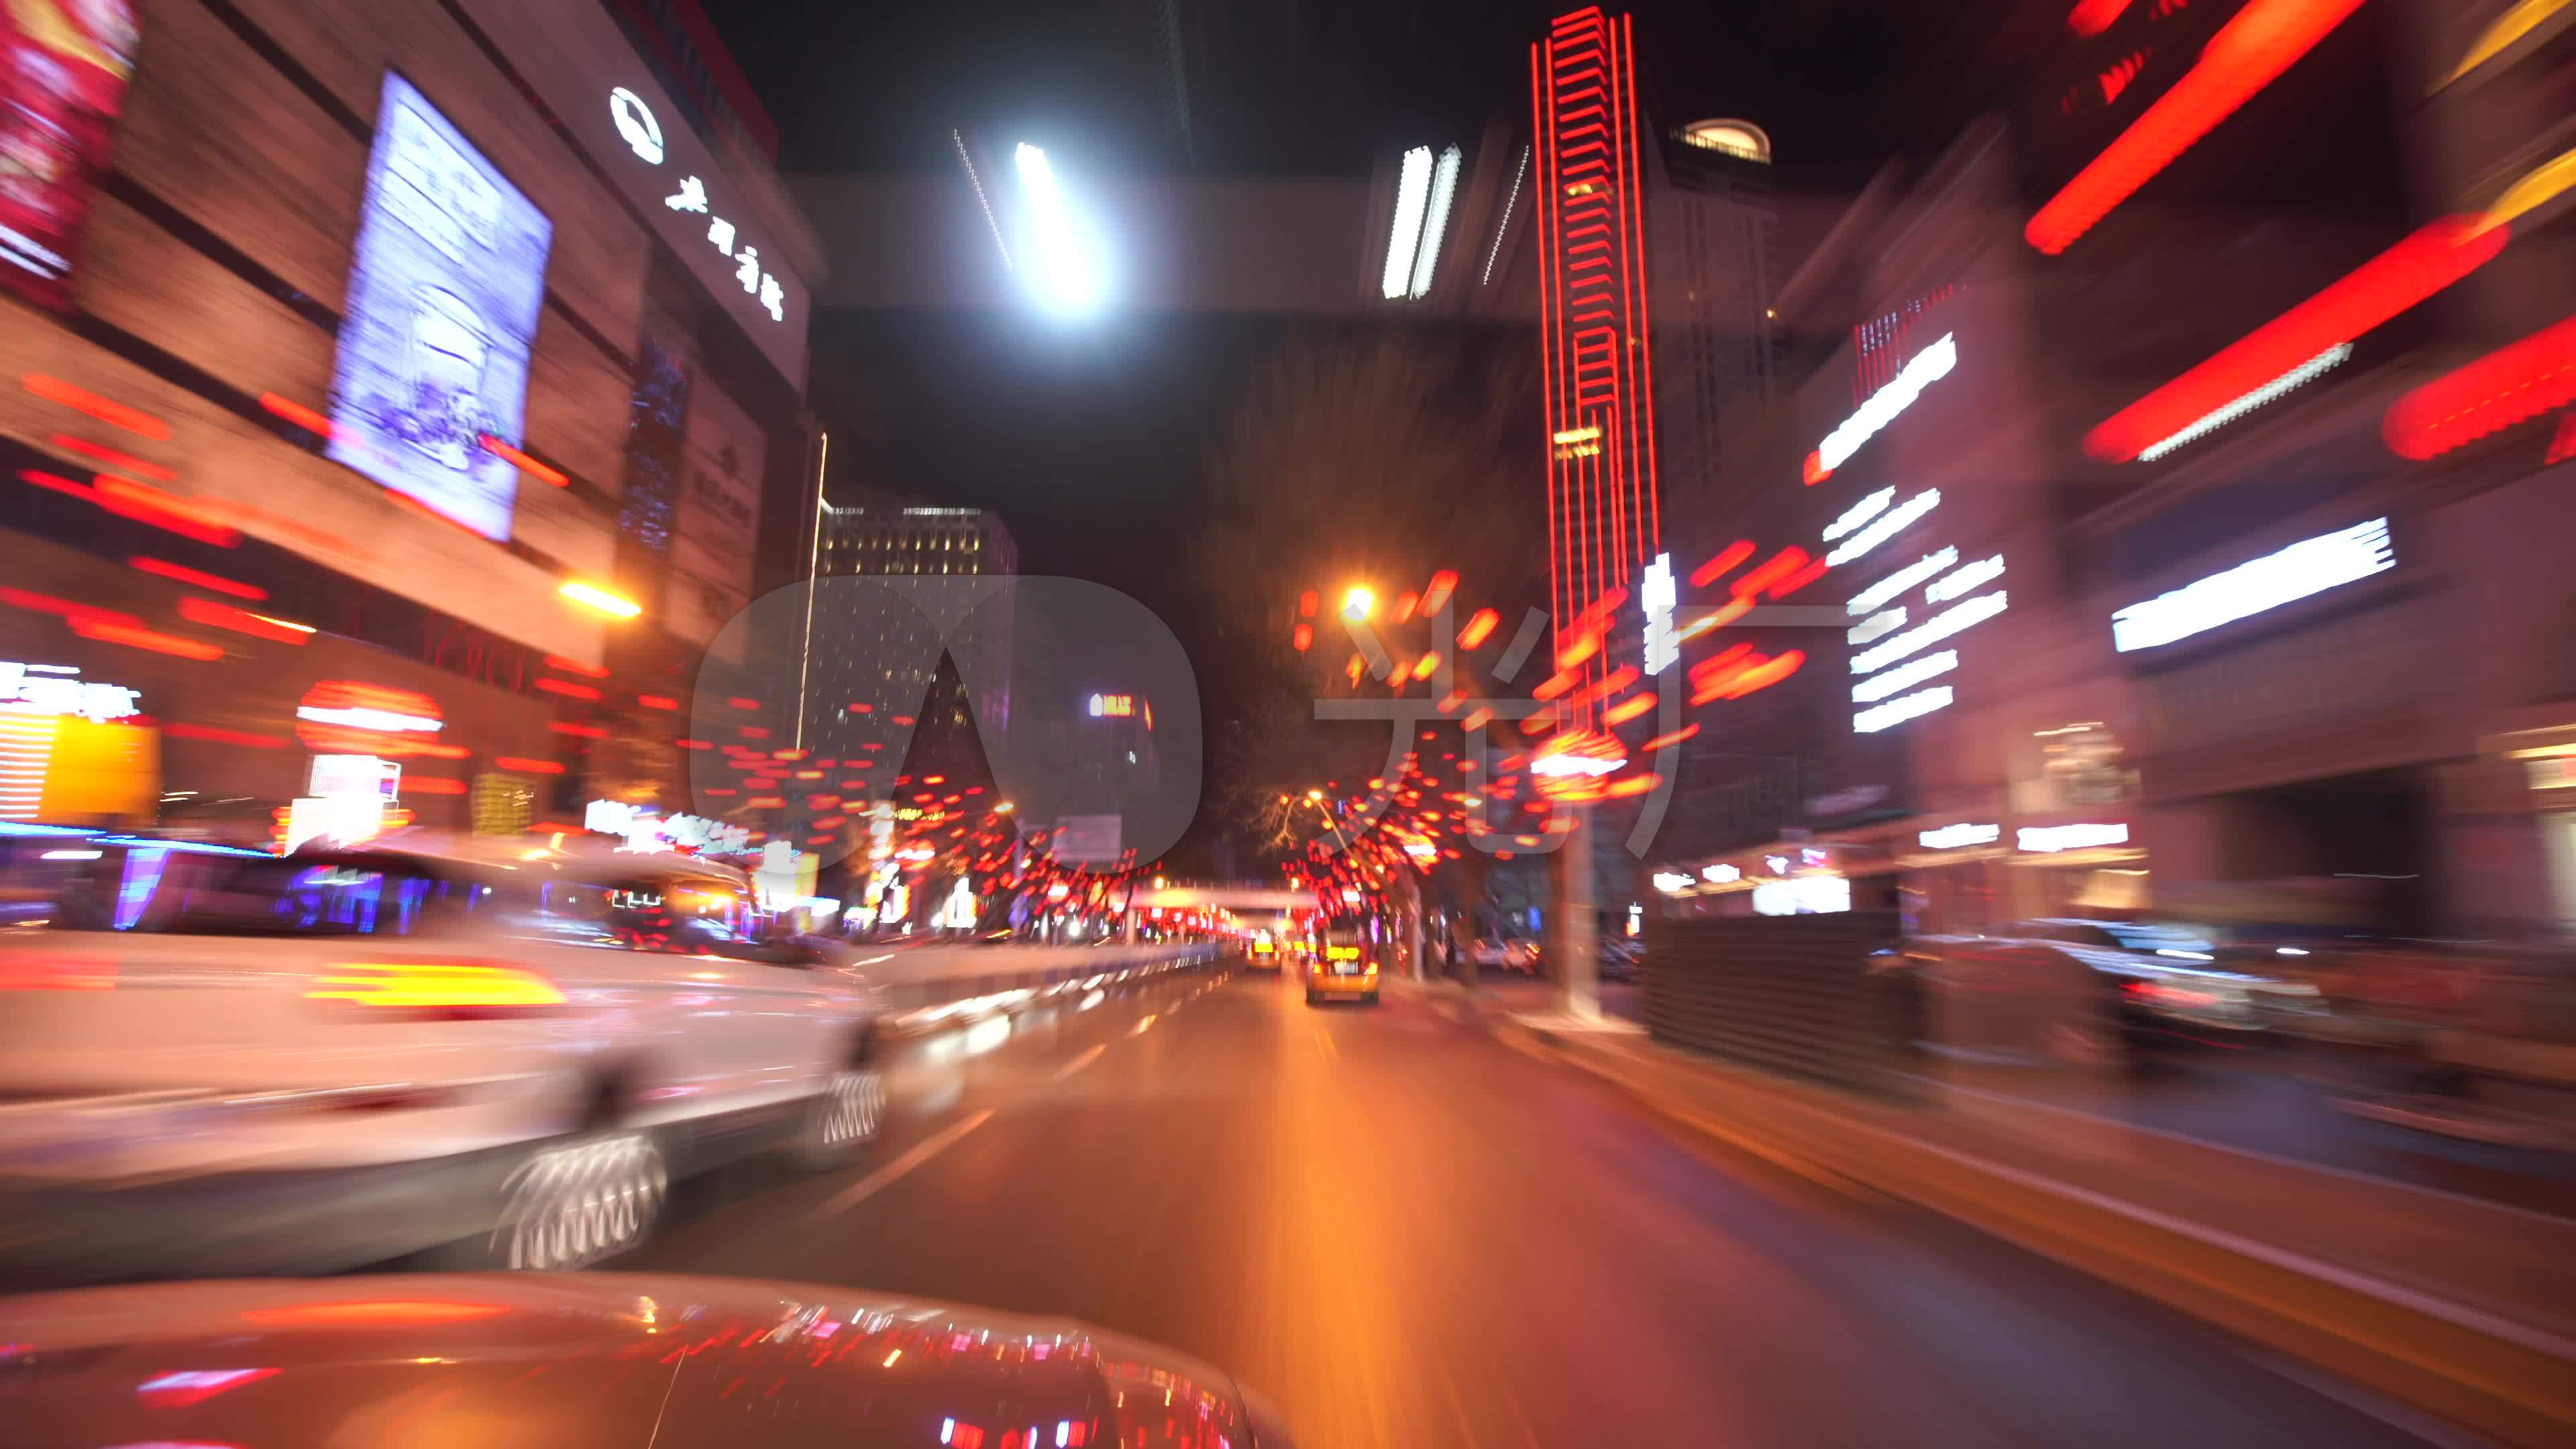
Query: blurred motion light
[[1656, 596], [1953, 837], [2092, 17], [2266, 38], [2435, 256], [2050, 839], [1444, 186], [2310, 566], [2217, 418], [2513, 384], [1905, 676], [1898, 711], [1888, 525], [592, 596], [1939, 627], [1404, 237], [1925, 368], [1067, 270], [1359, 603], [1901, 580]]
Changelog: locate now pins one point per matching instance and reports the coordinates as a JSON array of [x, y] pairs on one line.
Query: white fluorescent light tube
[[1860, 513], [1444, 185], [2221, 416], [1941, 626], [2311, 566], [1927, 367], [1898, 711], [1905, 676], [1412, 192], [1901, 580], [1960, 580], [1888, 526]]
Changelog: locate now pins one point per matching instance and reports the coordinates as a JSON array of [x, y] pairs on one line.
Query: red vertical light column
[[1604, 517]]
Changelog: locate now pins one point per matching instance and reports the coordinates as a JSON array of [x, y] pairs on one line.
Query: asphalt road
[[1404, 1232]]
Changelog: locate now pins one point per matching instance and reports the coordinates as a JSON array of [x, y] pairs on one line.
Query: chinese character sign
[[442, 317]]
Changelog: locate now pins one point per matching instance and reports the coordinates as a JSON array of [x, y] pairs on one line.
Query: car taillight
[[439, 988]]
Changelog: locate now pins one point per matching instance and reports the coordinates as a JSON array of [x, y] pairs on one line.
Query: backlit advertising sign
[[443, 300], [64, 65]]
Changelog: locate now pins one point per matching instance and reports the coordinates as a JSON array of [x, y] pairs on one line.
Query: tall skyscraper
[[874, 660], [1604, 523], [1709, 220]]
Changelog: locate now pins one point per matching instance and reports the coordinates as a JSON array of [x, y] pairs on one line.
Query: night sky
[[1092, 442]]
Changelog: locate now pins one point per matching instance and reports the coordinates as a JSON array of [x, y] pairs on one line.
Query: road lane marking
[[921, 1152], [1144, 1025], [1324, 1043], [1078, 1063]]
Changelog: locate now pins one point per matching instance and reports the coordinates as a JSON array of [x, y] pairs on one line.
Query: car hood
[[614, 1360]]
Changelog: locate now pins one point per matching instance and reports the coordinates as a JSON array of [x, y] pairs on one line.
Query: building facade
[[416, 384]]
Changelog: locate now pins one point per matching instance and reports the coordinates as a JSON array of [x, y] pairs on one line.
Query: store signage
[[643, 136], [2311, 566], [448, 278], [2050, 839], [359, 717], [1927, 367], [1655, 593], [1112, 706], [1807, 895], [1886, 526], [66, 69], [347, 777], [1955, 837], [50, 689]]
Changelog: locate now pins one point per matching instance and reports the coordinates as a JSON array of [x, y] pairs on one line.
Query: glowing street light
[[1359, 603], [1067, 269]]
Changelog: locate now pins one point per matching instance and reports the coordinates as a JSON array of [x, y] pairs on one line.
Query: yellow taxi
[[1344, 970], [1265, 953]]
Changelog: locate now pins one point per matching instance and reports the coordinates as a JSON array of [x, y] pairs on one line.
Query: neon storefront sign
[[55, 689]]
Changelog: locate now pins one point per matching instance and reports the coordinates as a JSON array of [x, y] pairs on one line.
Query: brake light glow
[[434, 986]]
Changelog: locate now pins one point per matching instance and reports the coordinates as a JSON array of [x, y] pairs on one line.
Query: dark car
[[590, 1361]]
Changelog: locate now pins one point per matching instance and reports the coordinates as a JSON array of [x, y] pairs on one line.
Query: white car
[[215, 1059]]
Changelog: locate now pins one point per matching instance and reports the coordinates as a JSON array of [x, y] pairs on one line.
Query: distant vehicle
[[1345, 970], [599, 1359], [2113, 988], [1265, 953], [1509, 954], [331, 1059]]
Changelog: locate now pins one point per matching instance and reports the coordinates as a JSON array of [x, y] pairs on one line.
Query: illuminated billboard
[[442, 315], [64, 65]]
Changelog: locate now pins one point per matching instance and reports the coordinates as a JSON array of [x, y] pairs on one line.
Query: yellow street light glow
[[1359, 603], [1314, 794], [595, 597]]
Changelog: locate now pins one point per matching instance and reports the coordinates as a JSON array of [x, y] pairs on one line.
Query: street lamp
[[1359, 603]]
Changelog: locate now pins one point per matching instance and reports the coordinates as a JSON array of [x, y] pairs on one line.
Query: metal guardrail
[[939, 975]]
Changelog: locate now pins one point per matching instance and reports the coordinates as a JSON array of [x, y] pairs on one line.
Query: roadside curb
[[2506, 1379]]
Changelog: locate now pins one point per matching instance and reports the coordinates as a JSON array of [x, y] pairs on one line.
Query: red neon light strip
[[2513, 384], [2266, 38], [240, 621], [657, 701], [2092, 17], [581, 731], [522, 461], [1645, 322], [101, 453], [567, 689], [1726, 558], [575, 666], [1549, 414], [522, 762], [115, 414], [431, 785], [2563, 447], [214, 736], [2398, 278], [48, 604], [58, 483], [296, 413], [134, 638], [146, 504], [187, 575]]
